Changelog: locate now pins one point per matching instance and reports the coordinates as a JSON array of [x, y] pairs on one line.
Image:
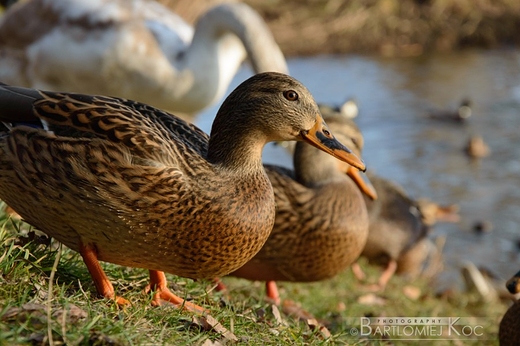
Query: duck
[[123, 182], [135, 49], [509, 329], [476, 147], [460, 115], [321, 222], [399, 226], [348, 109]]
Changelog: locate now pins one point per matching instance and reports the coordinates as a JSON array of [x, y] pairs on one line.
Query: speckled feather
[[321, 223], [136, 182], [395, 222]]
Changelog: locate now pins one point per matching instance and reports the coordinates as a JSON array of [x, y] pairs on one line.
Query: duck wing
[[146, 132]]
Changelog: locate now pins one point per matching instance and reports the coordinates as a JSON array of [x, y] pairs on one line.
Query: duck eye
[[290, 95], [327, 133]]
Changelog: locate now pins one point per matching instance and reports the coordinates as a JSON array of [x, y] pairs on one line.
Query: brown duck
[[459, 115], [123, 182], [398, 223], [509, 330], [398, 229], [321, 222]]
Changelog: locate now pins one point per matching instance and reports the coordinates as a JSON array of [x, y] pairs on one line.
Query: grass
[[71, 314]]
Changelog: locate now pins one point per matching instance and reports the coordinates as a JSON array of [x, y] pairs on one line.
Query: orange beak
[[320, 137], [362, 182]]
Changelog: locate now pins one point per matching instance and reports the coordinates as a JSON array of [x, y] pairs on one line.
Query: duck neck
[[224, 37], [313, 168], [236, 148]]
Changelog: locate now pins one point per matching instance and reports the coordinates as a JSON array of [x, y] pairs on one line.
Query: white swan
[[137, 49]]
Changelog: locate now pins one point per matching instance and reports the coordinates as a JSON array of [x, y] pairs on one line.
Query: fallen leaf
[[11, 313], [208, 342], [371, 299], [72, 314], [97, 338], [208, 322], [412, 292], [293, 309], [33, 313], [274, 331], [33, 307], [315, 325], [277, 315], [340, 307]]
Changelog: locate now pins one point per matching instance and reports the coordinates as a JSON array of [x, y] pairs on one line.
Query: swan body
[[136, 49]]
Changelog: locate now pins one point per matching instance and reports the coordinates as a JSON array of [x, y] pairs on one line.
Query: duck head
[[314, 168], [273, 107]]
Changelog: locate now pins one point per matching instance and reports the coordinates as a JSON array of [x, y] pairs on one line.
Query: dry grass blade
[[49, 296], [208, 322]]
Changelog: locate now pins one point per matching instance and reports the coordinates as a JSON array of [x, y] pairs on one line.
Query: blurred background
[[404, 61], [401, 61], [436, 83]]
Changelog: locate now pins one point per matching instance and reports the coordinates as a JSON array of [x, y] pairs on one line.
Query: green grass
[[73, 315]]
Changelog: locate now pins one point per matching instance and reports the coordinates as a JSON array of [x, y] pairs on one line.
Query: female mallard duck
[[509, 330], [137, 49], [349, 110], [398, 224], [398, 227], [122, 182], [476, 147], [321, 222]]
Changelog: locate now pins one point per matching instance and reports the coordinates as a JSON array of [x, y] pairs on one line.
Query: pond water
[[426, 156]]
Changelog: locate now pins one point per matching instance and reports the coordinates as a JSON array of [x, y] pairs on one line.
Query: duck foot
[[103, 285], [159, 284]]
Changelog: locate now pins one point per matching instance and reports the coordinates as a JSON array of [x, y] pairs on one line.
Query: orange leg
[[162, 294], [219, 285], [384, 278], [387, 274], [358, 272], [272, 291], [103, 285]]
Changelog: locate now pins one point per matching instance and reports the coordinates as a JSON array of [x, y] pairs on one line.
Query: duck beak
[[448, 213], [362, 182], [320, 137]]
